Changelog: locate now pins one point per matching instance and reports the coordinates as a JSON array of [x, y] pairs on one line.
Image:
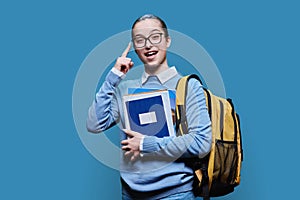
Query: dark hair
[[151, 16]]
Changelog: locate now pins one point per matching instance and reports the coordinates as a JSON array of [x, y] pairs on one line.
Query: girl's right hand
[[123, 63]]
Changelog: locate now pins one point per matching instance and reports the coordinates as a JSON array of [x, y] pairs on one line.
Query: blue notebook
[[149, 113]]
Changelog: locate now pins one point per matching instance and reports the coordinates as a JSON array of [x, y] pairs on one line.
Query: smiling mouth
[[151, 53]]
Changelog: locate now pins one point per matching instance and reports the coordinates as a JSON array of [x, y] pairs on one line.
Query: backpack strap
[[205, 180], [180, 113], [180, 110]]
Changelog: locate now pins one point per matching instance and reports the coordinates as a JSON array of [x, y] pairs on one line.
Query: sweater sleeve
[[103, 113], [198, 140]]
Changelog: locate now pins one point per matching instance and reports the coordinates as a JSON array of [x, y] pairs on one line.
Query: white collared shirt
[[163, 76]]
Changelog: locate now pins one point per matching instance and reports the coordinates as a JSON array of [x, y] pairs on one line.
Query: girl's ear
[[168, 41]]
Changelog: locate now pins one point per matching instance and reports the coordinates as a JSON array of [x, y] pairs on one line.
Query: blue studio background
[[255, 45]]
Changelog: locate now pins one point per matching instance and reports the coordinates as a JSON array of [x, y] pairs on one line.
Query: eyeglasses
[[140, 42]]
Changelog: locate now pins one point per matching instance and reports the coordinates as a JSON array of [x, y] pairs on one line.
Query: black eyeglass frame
[[147, 38]]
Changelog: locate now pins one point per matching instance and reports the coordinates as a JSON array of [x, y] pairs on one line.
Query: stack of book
[[149, 112]]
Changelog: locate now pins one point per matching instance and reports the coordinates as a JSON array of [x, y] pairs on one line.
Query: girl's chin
[[149, 61], [151, 65]]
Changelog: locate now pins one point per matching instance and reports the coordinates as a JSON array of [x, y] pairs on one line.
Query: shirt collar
[[163, 76]]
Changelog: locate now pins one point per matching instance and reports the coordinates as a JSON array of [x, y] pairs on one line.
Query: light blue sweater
[[158, 172]]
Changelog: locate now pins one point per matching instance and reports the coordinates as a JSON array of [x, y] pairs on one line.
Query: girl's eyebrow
[[154, 30], [139, 35]]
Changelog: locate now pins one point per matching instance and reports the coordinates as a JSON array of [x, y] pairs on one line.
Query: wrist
[[118, 73], [150, 144]]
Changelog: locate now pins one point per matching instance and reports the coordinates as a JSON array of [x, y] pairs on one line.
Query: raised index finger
[[125, 52]]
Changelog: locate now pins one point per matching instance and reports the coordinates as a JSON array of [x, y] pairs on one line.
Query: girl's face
[[150, 42]]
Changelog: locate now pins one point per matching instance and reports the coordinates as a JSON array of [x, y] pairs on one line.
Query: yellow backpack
[[219, 172]]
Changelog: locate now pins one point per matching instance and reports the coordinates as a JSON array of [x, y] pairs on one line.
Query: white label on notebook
[[147, 118]]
